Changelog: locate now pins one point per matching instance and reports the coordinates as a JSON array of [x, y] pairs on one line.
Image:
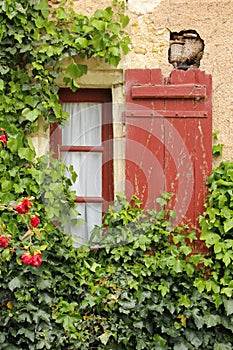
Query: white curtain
[[85, 124], [84, 129]]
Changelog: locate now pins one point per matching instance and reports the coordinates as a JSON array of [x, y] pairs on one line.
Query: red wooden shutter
[[169, 138]]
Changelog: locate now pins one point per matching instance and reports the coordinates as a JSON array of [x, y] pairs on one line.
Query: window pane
[[85, 125], [91, 213], [88, 166], [89, 124]]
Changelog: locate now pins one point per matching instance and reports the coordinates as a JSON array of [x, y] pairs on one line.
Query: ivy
[[33, 46], [137, 291], [37, 257], [217, 147], [143, 287], [217, 229]]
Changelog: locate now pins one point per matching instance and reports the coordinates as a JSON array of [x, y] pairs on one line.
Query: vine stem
[[26, 235]]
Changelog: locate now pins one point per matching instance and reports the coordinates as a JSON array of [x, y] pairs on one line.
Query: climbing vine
[[138, 291], [34, 40], [39, 43], [217, 229]]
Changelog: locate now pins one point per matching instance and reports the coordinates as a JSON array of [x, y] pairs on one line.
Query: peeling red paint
[[169, 138]]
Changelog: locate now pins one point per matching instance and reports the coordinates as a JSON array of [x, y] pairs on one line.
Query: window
[[86, 143]]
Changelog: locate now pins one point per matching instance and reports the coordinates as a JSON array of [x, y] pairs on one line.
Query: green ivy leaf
[[76, 70], [94, 266], [16, 282], [83, 42], [185, 301], [41, 315], [227, 291], [43, 6], [98, 24], [114, 51], [26, 153], [14, 144], [124, 20], [228, 304], [194, 338], [57, 188], [44, 283], [217, 150], [105, 337], [62, 14], [212, 320], [114, 27], [27, 333], [228, 225], [32, 101], [198, 319], [31, 115], [210, 238], [114, 60], [200, 284], [163, 289], [228, 257], [6, 185], [177, 266], [25, 316]]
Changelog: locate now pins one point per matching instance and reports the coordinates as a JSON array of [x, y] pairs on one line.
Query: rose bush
[[25, 241], [37, 257], [24, 220], [136, 292]]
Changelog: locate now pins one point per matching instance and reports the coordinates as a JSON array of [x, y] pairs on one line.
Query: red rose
[[3, 138], [23, 207], [33, 260], [36, 260], [3, 242], [19, 209], [26, 258], [35, 221]]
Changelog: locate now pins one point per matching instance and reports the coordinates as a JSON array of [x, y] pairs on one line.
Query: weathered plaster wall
[[149, 29]]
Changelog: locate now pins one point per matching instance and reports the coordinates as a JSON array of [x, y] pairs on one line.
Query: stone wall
[[150, 25]]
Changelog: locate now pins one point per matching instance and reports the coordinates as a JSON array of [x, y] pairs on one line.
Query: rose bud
[[35, 221], [3, 242]]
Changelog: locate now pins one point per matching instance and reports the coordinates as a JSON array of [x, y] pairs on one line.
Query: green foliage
[[34, 42], [135, 292], [43, 178], [217, 230], [138, 293], [33, 46], [143, 288], [122, 211], [217, 147], [28, 293], [217, 150]]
